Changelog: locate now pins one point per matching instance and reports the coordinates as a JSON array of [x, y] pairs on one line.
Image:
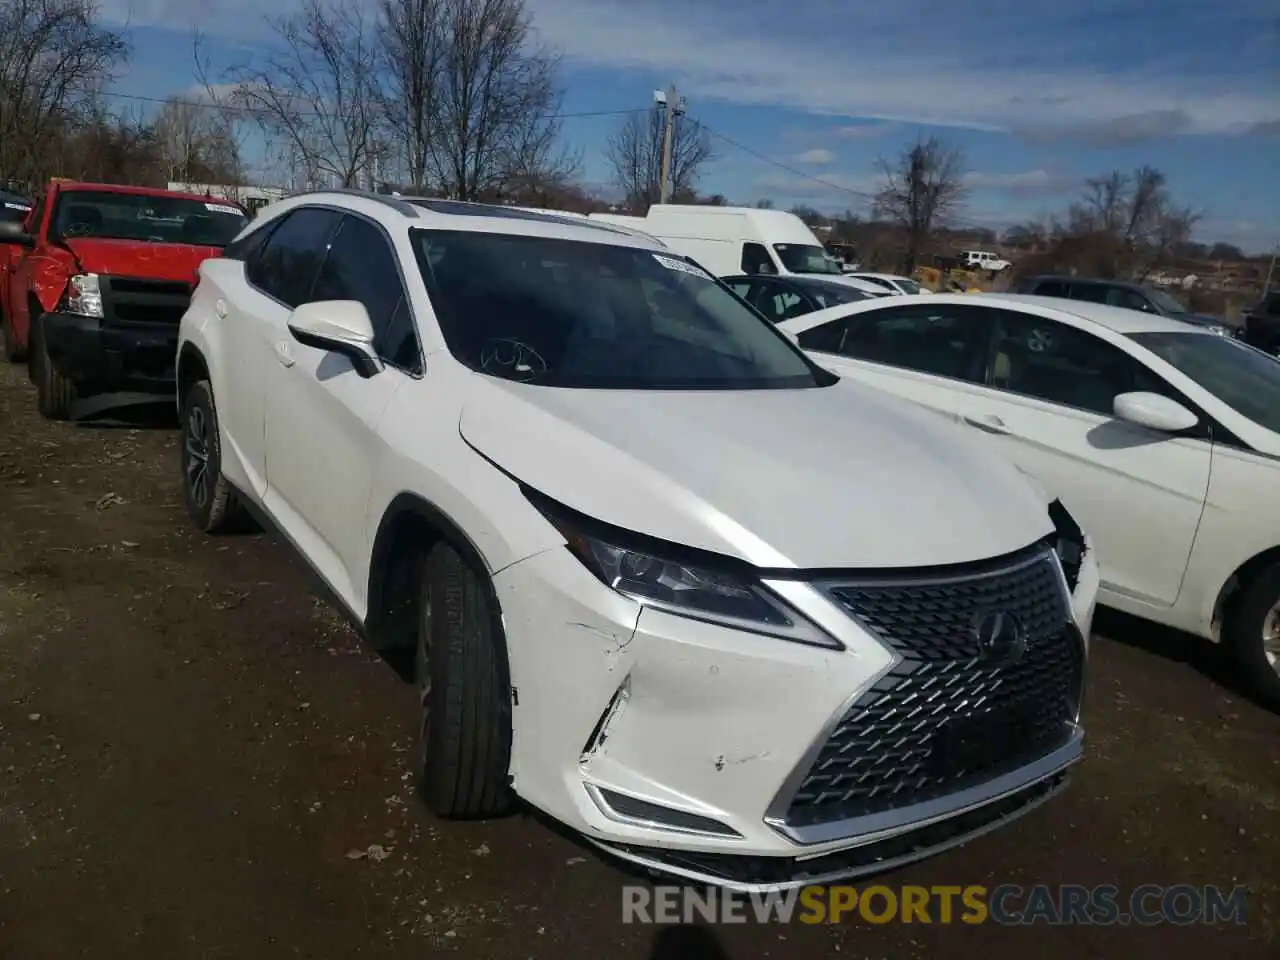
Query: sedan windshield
[[802, 258], [146, 218], [565, 313], [1245, 379]]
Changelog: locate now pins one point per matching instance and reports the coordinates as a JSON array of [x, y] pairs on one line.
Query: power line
[[253, 111], [794, 171]]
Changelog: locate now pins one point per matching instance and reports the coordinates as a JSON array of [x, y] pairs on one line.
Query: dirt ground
[[194, 751]]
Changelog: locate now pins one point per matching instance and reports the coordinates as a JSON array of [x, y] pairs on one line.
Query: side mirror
[[1154, 412], [340, 326], [11, 232]]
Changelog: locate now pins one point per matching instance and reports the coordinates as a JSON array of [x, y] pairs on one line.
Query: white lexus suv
[[727, 615]]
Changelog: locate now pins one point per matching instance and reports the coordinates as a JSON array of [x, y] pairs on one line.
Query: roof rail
[[395, 203]]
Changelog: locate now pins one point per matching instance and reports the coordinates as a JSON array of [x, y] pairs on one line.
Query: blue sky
[[1039, 95]]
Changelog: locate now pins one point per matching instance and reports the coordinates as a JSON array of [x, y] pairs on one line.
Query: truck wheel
[[1253, 631], [13, 350], [212, 503], [54, 392], [464, 692]]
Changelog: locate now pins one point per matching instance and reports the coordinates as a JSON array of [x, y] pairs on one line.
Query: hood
[[840, 476], [133, 258]]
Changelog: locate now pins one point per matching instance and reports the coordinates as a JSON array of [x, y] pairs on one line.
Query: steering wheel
[[512, 360]]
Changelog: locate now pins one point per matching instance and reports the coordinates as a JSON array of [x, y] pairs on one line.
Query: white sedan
[[891, 283], [1161, 438]]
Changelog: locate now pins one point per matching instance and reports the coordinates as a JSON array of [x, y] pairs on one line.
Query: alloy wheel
[[196, 450], [1271, 637]]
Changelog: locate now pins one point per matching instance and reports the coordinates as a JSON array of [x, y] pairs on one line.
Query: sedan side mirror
[[11, 232], [1155, 412], [339, 326]]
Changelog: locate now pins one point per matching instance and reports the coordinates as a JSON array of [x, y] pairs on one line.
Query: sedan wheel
[[1271, 638], [1253, 632]]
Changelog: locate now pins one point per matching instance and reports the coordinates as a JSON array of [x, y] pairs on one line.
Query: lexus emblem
[[1000, 635]]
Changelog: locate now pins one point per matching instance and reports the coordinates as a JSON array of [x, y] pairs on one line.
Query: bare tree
[[318, 92], [495, 101], [1127, 224], [54, 57], [920, 191], [411, 34], [634, 153]]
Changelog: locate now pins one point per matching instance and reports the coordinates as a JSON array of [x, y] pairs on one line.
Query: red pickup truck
[[93, 283]]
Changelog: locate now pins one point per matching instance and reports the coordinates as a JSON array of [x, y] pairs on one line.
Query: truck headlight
[[84, 296]]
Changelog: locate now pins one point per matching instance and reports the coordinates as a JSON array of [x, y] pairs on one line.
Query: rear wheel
[[54, 392], [211, 501], [464, 691], [1254, 634]]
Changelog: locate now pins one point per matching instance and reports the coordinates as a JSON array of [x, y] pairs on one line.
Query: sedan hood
[[833, 477], [132, 258]]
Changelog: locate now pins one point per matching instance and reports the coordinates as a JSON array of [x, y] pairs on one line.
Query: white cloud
[[977, 74], [816, 157]]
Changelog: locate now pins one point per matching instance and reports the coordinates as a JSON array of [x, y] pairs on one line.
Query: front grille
[[143, 301], [948, 715]]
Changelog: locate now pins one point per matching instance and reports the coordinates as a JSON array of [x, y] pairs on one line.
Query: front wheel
[[464, 691], [211, 501], [1254, 634], [54, 393]]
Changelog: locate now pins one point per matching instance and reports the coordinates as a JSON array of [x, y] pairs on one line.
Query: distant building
[[252, 198]]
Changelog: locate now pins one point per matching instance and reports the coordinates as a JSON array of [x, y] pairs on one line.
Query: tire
[[13, 351], [1255, 614], [212, 503], [54, 392], [464, 692]]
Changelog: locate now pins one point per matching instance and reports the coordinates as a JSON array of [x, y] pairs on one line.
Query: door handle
[[220, 308], [283, 356], [986, 422]]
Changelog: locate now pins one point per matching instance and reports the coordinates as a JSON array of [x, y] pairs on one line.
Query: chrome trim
[[593, 792], [879, 867]]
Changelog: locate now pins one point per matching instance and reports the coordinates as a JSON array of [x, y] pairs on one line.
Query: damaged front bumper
[[678, 744]]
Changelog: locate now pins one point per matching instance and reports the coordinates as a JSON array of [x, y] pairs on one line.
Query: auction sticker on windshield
[[683, 266], [223, 208]]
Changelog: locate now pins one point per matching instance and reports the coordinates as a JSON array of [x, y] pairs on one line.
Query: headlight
[[84, 296], [683, 586]]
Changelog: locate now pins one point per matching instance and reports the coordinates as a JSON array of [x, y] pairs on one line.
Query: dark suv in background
[[1119, 293], [1262, 324]]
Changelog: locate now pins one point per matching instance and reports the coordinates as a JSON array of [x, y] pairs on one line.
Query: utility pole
[[674, 105]]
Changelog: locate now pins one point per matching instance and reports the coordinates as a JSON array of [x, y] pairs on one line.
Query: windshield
[[13, 207], [145, 218], [806, 258], [1166, 304], [1245, 379], [908, 286], [566, 313], [833, 294]]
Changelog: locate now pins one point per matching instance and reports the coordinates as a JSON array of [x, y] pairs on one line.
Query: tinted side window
[[947, 341], [287, 265], [1051, 361], [1121, 297], [248, 247], [755, 259], [826, 338], [1092, 292], [1052, 288], [361, 266]]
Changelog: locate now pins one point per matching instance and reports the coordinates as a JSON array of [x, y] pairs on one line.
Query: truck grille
[[948, 715], [144, 302]]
